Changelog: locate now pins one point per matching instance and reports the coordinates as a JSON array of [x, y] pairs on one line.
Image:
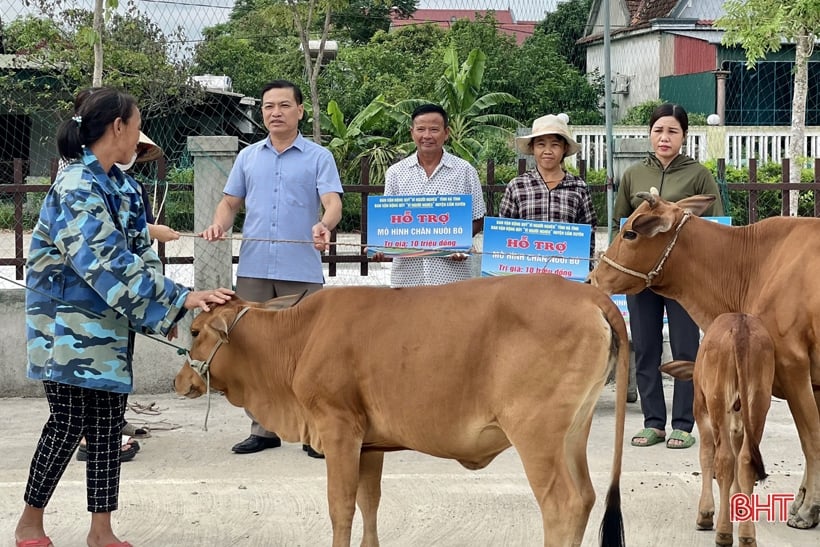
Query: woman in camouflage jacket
[[92, 278]]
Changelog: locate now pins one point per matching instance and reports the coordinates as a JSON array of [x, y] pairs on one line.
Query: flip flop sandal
[[686, 438], [131, 430], [44, 541], [125, 455], [651, 436]]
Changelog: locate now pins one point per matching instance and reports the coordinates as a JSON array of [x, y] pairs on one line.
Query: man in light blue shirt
[[284, 182]]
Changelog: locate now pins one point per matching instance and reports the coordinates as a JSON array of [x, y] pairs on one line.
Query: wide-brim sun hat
[[548, 125], [147, 150]]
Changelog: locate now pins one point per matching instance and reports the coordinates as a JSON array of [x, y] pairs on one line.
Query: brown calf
[[733, 376]]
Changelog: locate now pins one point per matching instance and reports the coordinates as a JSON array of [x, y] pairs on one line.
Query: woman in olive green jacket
[[675, 176]]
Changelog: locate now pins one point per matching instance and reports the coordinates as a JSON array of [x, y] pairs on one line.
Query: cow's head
[[210, 332], [639, 251]]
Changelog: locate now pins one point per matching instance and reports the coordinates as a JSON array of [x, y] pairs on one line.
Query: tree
[[500, 49], [354, 140], [547, 84], [458, 91], [93, 35], [759, 26], [303, 12], [399, 65], [249, 55], [138, 60], [361, 19], [538, 72], [306, 19], [568, 23]]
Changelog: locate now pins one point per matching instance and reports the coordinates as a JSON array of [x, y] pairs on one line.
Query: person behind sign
[[148, 151], [675, 176], [432, 170], [92, 279], [283, 182], [549, 192]]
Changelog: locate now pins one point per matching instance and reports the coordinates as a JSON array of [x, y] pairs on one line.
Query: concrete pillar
[[625, 152], [213, 158], [720, 99]]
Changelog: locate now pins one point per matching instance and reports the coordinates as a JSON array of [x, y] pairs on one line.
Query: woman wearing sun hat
[[549, 192], [148, 150]]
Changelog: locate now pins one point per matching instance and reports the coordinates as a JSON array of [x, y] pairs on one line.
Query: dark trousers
[[260, 290], [78, 412], [646, 325]]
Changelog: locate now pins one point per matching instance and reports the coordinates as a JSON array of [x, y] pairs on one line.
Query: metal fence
[[755, 198], [738, 146]]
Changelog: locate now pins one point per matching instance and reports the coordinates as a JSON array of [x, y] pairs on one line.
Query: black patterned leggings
[[78, 412]]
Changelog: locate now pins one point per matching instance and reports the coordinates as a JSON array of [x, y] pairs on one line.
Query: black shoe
[[125, 455], [255, 443], [312, 453]]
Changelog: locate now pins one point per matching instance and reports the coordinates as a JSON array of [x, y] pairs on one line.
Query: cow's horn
[[649, 197]]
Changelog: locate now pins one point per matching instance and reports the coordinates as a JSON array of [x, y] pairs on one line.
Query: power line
[[191, 4]]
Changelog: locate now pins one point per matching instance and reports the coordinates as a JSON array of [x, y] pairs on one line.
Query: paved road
[[186, 488]]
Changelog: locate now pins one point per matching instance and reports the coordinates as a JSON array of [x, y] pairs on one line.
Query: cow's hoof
[[796, 521], [706, 520], [722, 539], [749, 542], [631, 396]]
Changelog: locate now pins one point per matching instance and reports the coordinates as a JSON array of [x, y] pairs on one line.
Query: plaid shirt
[[527, 197]]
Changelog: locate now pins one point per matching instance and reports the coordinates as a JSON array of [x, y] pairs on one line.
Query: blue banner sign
[[516, 246], [435, 225]]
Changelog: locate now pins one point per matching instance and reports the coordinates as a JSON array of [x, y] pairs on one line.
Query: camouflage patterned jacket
[[91, 273]]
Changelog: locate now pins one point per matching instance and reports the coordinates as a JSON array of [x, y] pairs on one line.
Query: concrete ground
[[185, 487]]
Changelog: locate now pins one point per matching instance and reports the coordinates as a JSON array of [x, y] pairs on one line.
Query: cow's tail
[[612, 525], [744, 368]]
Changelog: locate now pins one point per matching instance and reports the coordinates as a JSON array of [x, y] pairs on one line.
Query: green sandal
[[686, 438], [651, 436]]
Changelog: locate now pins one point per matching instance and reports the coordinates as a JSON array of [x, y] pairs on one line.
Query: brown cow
[[733, 375], [460, 371], [768, 269]]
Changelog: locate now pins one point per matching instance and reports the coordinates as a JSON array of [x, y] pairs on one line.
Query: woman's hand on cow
[[203, 299]]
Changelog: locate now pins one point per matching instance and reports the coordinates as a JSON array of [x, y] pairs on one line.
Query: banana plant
[[352, 141], [471, 119], [470, 112]]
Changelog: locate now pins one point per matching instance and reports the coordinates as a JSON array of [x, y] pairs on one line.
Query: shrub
[[769, 202]]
